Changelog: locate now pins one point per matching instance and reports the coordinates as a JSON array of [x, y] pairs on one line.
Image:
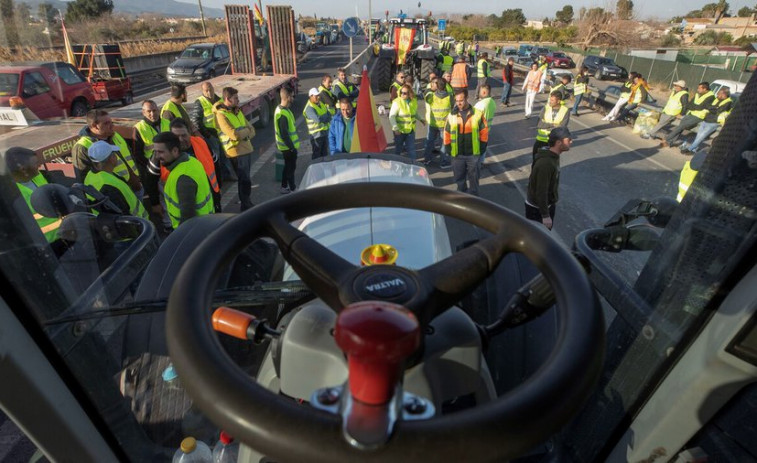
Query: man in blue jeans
[[402, 116], [715, 118], [438, 106], [508, 78]]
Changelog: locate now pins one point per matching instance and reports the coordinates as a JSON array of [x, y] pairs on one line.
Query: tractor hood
[[420, 238]]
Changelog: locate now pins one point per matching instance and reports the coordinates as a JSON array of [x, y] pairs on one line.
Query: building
[[737, 27]]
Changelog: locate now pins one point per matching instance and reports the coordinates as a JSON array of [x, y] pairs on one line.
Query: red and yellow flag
[[403, 37], [67, 44], [368, 135], [257, 13]]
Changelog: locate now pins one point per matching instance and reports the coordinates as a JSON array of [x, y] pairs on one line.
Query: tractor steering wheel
[[288, 431]]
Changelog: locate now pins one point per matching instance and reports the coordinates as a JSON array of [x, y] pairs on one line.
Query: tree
[[745, 12], [23, 12], [624, 9], [670, 40], [721, 10], [565, 15], [9, 22], [81, 10], [47, 13], [713, 38], [512, 18]]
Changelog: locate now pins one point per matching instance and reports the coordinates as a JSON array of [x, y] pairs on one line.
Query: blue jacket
[[336, 134]]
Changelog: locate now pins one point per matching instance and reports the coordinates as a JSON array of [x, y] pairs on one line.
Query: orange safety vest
[[459, 77], [202, 153], [533, 80]]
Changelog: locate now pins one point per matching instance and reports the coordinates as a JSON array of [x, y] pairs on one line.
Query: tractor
[[421, 57]]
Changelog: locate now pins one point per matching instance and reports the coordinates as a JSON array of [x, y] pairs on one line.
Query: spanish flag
[[67, 45], [403, 37], [368, 135], [258, 14]]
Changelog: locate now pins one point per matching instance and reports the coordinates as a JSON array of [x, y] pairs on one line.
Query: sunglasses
[[404, 93]]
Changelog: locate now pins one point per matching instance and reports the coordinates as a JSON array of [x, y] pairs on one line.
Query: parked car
[[554, 75], [602, 68], [735, 87], [558, 59], [508, 52], [198, 62], [536, 52], [54, 89], [615, 90], [304, 42]]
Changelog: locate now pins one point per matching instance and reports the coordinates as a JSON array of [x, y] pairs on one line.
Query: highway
[[606, 167]]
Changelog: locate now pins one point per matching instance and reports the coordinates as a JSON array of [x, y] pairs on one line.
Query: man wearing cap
[[318, 118], [544, 181], [676, 105], [187, 190], [100, 127], [104, 157]]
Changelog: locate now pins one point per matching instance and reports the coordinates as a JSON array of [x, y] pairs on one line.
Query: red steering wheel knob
[[376, 337]]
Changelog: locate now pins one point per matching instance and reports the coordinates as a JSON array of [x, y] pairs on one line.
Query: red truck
[[54, 89]]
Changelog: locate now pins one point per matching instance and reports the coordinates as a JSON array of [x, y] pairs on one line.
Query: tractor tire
[[427, 67], [264, 114], [384, 74]]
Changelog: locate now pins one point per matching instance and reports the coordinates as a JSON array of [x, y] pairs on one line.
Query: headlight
[[171, 71], [199, 71]]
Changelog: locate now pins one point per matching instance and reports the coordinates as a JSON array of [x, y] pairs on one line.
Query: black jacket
[[544, 181]]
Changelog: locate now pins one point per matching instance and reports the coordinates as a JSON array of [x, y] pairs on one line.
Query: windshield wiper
[[260, 294]]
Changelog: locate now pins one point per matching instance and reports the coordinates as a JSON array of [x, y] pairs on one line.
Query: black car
[[604, 68], [199, 62]]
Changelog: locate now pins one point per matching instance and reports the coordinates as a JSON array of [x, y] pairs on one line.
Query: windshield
[[8, 84], [197, 52], [558, 55], [92, 243]]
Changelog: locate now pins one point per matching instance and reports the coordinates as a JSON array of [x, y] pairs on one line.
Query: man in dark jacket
[[508, 79], [541, 200], [205, 120]]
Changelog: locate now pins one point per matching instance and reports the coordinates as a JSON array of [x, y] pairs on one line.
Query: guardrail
[[355, 67]]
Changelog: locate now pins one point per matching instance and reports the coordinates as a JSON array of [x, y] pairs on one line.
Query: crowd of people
[[180, 155]]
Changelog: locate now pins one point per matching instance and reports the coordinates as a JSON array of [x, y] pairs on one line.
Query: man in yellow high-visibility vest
[[674, 108], [287, 140]]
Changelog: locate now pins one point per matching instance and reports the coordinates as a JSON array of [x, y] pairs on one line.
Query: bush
[[670, 40]]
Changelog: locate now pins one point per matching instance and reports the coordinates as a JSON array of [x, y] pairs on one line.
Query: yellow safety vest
[[698, 99], [480, 73], [406, 114], [203, 199], [687, 178], [626, 90], [475, 121], [171, 107], [278, 114], [147, 132], [236, 120], [543, 134], [346, 91], [724, 115], [316, 126], [674, 106], [48, 225], [332, 109], [100, 179], [446, 64], [208, 118], [578, 89], [121, 170], [437, 110], [460, 48]]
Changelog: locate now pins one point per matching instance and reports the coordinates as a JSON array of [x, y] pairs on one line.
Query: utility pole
[[202, 18], [370, 23]]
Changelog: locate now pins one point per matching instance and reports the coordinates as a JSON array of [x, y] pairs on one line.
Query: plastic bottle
[[193, 451], [226, 450]]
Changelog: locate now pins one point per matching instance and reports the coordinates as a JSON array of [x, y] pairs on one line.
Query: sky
[[645, 9]]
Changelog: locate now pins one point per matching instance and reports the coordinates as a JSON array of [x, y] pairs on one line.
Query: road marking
[[623, 145], [232, 193]]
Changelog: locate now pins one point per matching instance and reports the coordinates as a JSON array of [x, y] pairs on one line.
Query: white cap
[[101, 150], [680, 83], [313, 92]]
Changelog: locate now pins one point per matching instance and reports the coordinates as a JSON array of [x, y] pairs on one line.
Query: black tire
[[427, 67], [211, 74], [265, 115], [128, 99], [384, 74], [79, 108]]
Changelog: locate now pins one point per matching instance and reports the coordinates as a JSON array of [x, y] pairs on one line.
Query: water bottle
[[226, 450], [193, 451]]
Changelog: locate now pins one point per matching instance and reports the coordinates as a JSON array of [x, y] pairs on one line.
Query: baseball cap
[[559, 133], [680, 83], [101, 150], [313, 92]]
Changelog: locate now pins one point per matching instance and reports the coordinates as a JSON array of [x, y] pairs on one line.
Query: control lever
[[528, 303], [242, 325]]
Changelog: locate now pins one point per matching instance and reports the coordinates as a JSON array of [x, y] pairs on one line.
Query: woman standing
[[531, 87]]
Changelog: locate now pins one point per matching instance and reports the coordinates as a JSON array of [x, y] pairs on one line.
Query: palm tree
[[720, 10]]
